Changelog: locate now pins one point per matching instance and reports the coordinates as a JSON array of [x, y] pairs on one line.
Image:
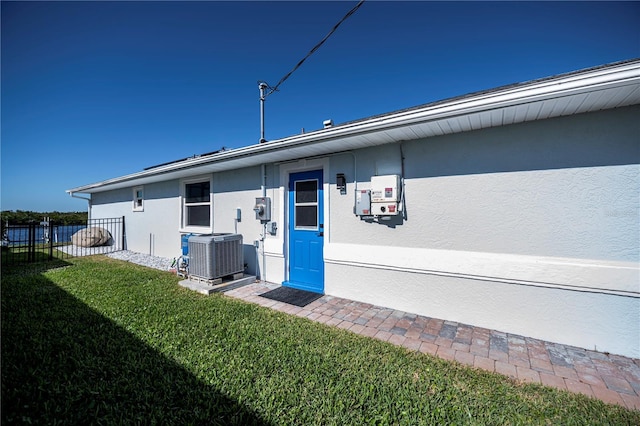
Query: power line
[[316, 47]]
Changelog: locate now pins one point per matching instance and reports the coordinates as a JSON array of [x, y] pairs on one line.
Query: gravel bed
[[84, 251], [155, 262]]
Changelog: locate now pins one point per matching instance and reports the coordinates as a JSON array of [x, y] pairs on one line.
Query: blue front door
[[306, 232]]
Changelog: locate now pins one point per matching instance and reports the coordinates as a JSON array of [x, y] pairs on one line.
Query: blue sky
[[96, 90]]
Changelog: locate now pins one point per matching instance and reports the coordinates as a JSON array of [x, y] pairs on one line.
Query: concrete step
[[206, 289]]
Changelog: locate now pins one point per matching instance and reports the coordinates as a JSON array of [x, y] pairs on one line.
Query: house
[[515, 209]]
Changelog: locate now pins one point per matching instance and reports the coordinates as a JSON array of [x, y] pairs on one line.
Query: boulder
[[91, 237]]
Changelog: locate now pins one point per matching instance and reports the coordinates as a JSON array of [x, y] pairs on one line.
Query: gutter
[[88, 199]]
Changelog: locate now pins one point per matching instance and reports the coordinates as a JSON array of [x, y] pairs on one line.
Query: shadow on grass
[[20, 255], [22, 267], [62, 362]]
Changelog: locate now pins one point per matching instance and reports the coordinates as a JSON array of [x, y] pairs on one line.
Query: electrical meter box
[[385, 195], [363, 202], [263, 209], [385, 188]]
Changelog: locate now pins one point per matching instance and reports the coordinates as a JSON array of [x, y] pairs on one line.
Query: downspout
[[263, 236], [402, 199], [355, 180], [73, 195]]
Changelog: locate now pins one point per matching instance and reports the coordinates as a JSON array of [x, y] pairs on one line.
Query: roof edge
[[568, 84]]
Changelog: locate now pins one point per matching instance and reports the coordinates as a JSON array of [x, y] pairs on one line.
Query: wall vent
[[215, 256]]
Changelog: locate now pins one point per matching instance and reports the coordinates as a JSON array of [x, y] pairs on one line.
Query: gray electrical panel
[[273, 228], [263, 209], [363, 202]]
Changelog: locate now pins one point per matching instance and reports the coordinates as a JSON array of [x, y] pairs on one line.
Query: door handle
[[321, 234]]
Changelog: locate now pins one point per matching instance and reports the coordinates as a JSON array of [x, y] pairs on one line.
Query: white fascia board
[[553, 88], [572, 86]]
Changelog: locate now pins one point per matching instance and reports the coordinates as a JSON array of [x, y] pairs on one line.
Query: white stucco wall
[[531, 229], [238, 189], [151, 231], [156, 229], [565, 187]]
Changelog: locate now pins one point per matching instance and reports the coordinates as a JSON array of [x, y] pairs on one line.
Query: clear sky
[[96, 90]]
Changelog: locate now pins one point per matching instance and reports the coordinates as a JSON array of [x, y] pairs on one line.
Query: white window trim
[[135, 206], [196, 229]]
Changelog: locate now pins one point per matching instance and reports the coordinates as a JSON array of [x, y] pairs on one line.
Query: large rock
[[91, 237]]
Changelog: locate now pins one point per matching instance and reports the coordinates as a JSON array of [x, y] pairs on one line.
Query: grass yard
[[102, 341]]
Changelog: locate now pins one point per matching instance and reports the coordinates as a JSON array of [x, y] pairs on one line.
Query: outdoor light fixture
[[341, 183]]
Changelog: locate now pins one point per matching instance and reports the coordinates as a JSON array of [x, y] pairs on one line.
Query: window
[[196, 202], [138, 199], [306, 204]]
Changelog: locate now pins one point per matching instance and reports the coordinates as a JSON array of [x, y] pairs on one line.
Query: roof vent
[[327, 123]]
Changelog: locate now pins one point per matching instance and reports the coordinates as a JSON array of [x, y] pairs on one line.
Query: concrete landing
[[206, 289]]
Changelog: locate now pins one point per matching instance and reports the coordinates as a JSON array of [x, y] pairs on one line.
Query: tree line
[[22, 217]]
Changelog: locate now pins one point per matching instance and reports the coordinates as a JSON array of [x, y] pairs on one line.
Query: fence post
[[123, 235], [51, 238], [31, 247]]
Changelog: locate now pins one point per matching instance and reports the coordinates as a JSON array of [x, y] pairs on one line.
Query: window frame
[[297, 204], [184, 227], [135, 207]]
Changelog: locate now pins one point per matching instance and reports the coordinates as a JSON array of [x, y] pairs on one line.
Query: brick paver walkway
[[611, 378]]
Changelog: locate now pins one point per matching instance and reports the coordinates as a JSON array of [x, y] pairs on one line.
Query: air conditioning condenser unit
[[215, 256]]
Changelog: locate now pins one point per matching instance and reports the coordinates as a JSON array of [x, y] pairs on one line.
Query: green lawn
[[102, 341]]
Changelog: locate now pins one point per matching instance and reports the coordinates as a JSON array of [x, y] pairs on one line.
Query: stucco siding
[[151, 231], [237, 189], [524, 189], [530, 228]]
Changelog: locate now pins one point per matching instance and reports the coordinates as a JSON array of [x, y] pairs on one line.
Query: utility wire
[[316, 47]]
